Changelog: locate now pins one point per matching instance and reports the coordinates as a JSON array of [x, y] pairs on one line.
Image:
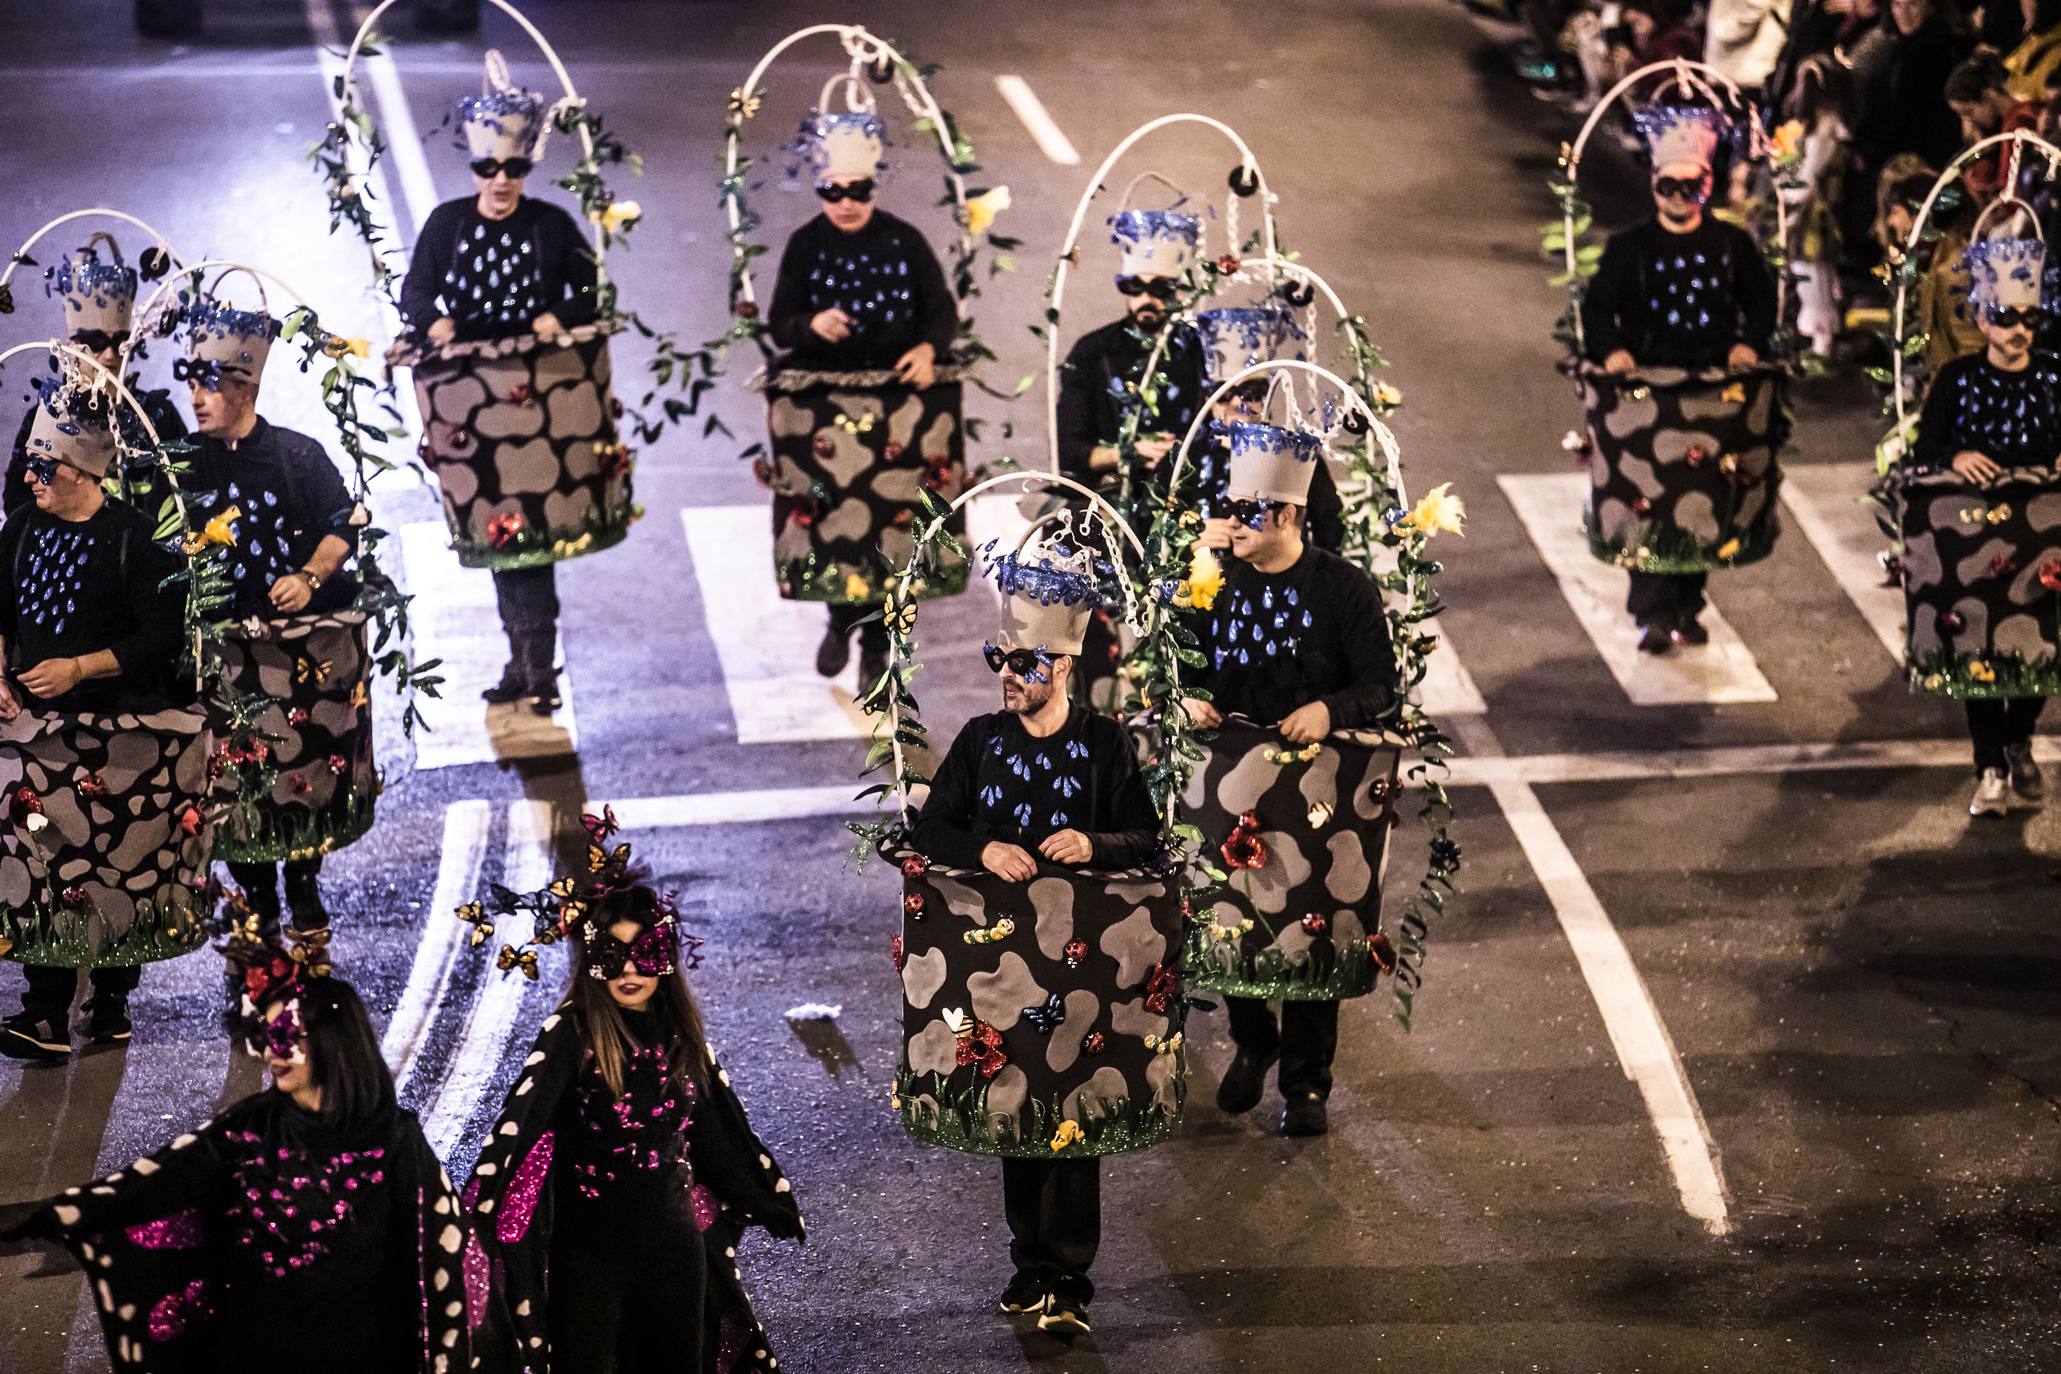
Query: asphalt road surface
[[1739, 1051]]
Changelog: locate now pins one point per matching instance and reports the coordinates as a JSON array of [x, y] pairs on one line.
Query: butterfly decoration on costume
[[524, 959], [306, 669], [475, 915], [1046, 1018], [902, 618]]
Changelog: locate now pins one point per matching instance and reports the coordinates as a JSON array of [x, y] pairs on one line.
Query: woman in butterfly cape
[[310, 1220], [621, 1172]]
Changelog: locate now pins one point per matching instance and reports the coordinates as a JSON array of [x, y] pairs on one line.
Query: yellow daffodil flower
[[1205, 579], [982, 209], [1728, 550], [856, 588], [1787, 140], [220, 530], [619, 215], [1386, 396], [1438, 510], [1980, 671]]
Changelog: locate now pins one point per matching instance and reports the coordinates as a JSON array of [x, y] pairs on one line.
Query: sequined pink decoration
[[179, 1231], [171, 1313], [479, 1282], [704, 1207], [520, 1203]]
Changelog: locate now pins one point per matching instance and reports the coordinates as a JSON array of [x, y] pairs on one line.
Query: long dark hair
[[343, 1056], [672, 1006]]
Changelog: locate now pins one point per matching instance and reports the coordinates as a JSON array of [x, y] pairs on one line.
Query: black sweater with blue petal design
[[1679, 300], [1315, 631], [1000, 782], [2011, 418]]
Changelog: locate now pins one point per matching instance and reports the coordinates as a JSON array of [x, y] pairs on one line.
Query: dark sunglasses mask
[[2012, 317], [1251, 514], [859, 192], [1679, 188], [654, 953], [100, 341], [1159, 288], [487, 168], [40, 469], [1032, 665]]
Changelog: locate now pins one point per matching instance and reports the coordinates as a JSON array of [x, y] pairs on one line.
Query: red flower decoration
[[75, 896], [338, 764], [1952, 622], [2050, 575], [503, 529], [1159, 986], [26, 802], [1697, 455], [92, 785], [824, 446], [912, 904], [1227, 264], [460, 440], [1076, 950], [301, 785], [1383, 952], [1245, 849], [1641, 506], [1316, 923], [904, 518], [297, 716], [892, 451], [2003, 563], [982, 1048], [894, 947], [915, 866], [747, 310], [521, 394], [1093, 1043]]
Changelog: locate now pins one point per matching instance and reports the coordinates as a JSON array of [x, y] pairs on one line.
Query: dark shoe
[[2028, 784], [1025, 1296], [835, 651], [107, 1020], [1244, 1083], [1690, 632], [1306, 1115], [872, 665], [1656, 639], [304, 900], [24, 1038], [510, 688], [1065, 1318], [260, 884]]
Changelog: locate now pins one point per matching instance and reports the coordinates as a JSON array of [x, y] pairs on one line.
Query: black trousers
[[844, 618], [1306, 1038], [259, 880], [527, 599], [1668, 599], [1054, 1208], [628, 1308], [1995, 725], [48, 997]]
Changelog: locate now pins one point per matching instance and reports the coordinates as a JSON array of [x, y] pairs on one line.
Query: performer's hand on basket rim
[[10, 700], [291, 594], [546, 326], [1742, 357], [1620, 362], [832, 325], [1009, 862], [443, 331], [1153, 447], [918, 367], [1203, 715], [53, 677], [1977, 467], [1067, 847], [1307, 724]]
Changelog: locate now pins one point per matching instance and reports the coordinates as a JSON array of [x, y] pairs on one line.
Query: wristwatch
[[314, 582]]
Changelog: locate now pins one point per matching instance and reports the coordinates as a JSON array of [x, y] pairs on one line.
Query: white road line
[[766, 645], [443, 938], [738, 808], [1721, 671], [1051, 141], [1636, 1030], [526, 864], [1448, 688], [1825, 757], [1831, 507], [453, 618], [403, 140]]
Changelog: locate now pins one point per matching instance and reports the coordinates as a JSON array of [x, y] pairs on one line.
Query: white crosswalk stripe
[[1830, 504], [1722, 671], [452, 618], [766, 645]]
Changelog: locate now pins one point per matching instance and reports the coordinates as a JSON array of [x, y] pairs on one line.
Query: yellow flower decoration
[[1387, 397], [1069, 1133], [1734, 395], [857, 588], [1980, 671], [220, 530], [1787, 140], [1205, 579], [742, 105], [1729, 549], [982, 209], [618, 215], [1437, 510]]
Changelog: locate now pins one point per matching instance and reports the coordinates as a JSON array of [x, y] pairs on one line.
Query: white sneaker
[[1992, 794]]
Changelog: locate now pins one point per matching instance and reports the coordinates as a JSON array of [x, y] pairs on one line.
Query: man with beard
[[1041, 779], [99, 300], [1297, 638], [1680, 290], [293, 529], [86, 625]]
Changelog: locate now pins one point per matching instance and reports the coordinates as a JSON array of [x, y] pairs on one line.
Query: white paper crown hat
[[1241, 336], [847, 145], [2006, 273], [1154, 243], [224, 341], [503, 120], [63, 430], [1269, 463], [1048, 595], [94, 294], [1682, 135]]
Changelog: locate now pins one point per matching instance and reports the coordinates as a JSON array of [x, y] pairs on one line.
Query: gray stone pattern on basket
[[520, 426], [1130, 925], [847, 496], [1327, 862], [1661, 437], [113, 851], [317, 665], [1971, 565]]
